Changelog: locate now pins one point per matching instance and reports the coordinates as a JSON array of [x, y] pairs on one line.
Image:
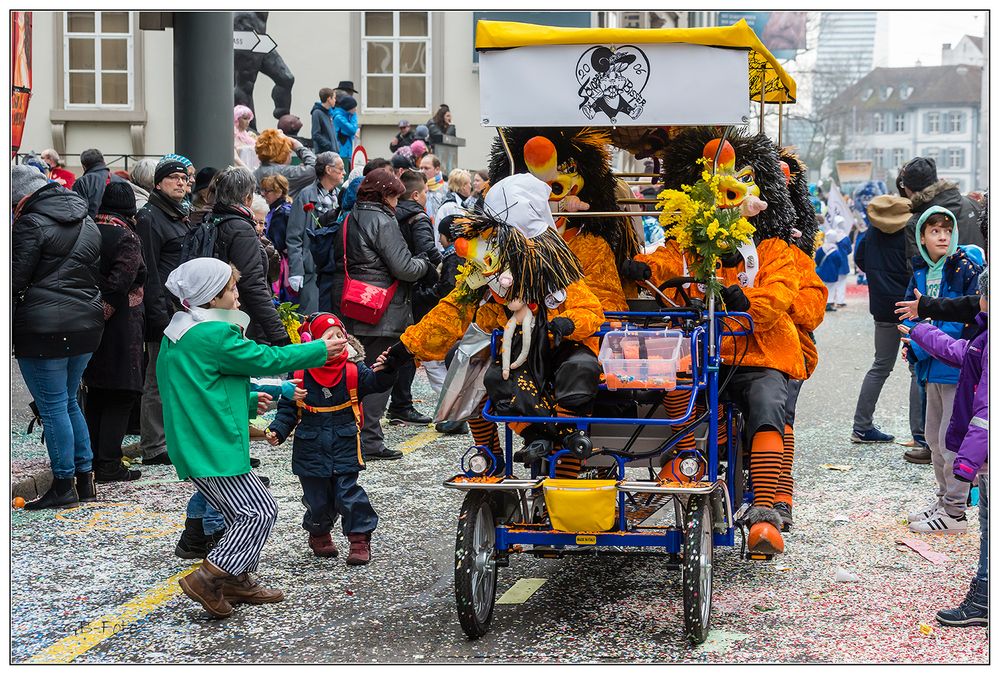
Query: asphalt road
[[94, 584]]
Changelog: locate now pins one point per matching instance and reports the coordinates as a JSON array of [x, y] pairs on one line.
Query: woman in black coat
[[114, 376], [57, 323]]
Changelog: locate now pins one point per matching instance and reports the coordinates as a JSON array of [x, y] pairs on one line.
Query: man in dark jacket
[[161, 225], [921, 184], [310, 205], [58, 320], [323, 137], [96, 175], [237, 243], [418, 232], [403, 137], [881, 255]]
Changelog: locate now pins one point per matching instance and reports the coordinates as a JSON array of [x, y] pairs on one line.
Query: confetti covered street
[[98, 583]]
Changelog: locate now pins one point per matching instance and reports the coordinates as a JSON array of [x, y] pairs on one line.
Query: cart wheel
[[475, 565], [696, 574]]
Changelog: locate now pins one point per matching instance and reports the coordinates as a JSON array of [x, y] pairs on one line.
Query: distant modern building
[[894, 114], [849, 45], [967, 52]]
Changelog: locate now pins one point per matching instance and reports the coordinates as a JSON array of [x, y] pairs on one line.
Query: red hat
[[317, 324]]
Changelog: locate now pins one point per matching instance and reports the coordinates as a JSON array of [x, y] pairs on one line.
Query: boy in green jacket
[[204, 370]]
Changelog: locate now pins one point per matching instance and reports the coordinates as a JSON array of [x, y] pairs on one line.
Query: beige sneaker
[[941, 523]]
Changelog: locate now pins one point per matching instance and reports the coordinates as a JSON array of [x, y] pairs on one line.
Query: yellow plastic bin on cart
[[581, 505]]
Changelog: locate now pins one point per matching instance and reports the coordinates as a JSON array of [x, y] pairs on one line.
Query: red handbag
[[363, 302]]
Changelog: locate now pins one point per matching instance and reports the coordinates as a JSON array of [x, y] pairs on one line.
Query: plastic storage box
[[642, 359]]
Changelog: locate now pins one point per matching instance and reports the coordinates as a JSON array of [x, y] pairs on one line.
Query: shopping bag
[[463, 390]]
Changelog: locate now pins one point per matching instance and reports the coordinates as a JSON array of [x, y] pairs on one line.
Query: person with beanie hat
[[95, 178], [924, 189], [57, 321], [205, 365], [25, 180], [161, 225], [114, 376], [326, 454], [345, 126], [967, 438]]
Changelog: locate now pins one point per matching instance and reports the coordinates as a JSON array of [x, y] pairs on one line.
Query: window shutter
[[927, 123]]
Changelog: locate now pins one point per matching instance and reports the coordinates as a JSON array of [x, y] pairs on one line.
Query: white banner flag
[[613, 85], [837, 208]]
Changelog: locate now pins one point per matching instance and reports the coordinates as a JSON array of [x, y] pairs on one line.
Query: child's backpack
[[351, 378]]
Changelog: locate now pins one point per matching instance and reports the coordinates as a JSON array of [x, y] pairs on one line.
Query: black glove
[[396, 357], [635, 270], [561, 327], [431, 276], [734, 298]]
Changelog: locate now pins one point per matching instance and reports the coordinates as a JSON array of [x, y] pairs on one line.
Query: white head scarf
[[523, 201], [195, 283]]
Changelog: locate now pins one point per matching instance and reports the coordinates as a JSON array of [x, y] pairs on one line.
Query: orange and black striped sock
[[675, 405], [766, 453], [568, 466], [723, 433], [485, 433], [785, 482]]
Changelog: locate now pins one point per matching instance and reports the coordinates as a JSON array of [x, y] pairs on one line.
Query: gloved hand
[[561, 327], [431, 276], [735, 299], [395, 357], [636, 270], [295, 283]]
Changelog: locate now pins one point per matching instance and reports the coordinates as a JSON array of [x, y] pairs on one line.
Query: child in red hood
[[326, 453]]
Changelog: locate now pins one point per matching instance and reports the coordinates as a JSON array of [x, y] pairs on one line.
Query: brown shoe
[[322, 546], [361, 552], [246, 588], [204, 586], [918, 455]]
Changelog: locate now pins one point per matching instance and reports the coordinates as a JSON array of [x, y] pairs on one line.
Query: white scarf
[[184, 321]]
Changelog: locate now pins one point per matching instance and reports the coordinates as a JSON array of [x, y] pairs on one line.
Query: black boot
[[86, 490], [212, 540], [61, 495], [974, 610], [191, 545], [451, 428], [122, 475]]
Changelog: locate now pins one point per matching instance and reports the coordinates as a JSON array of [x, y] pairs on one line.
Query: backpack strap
[[351, 373]]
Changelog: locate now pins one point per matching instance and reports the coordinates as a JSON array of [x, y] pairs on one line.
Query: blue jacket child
[[326, 453], [953, 275], [345, 125], [831, 257]]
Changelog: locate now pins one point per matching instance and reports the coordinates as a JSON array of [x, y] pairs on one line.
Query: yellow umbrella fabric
[[765, 72]]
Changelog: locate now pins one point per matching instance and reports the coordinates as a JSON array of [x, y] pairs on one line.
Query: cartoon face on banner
[[560, 173], [736, 184], [611, 81]]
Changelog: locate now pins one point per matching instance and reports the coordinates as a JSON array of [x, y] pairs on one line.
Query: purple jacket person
[[968, 432]]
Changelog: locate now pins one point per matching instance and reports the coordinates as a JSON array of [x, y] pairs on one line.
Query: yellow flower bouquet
[[291, 320], [692, 218]]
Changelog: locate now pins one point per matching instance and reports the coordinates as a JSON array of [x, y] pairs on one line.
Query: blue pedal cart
[[661, 78]]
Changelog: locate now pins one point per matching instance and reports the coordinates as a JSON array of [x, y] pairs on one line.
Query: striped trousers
[[250, 512]]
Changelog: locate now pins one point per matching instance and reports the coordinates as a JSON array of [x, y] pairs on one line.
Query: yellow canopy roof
[[765, 71]]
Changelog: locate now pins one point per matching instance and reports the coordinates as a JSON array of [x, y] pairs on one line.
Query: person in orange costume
[[500, 288], [576, 164], [761, 280], [807, 312]]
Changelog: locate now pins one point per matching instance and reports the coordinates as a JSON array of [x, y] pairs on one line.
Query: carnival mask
[[543, 163], [734, 184], [486, 267]]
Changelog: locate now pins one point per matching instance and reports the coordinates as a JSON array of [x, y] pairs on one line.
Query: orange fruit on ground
[[18, 502]]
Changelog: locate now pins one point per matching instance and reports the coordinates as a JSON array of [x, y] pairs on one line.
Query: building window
[[955, 122], [877, 157], [933, 153], [933, 123], [878, 122], [898, 157], [395, 58], [956, 158], [899, 123], [905, 91], [97, 60]]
